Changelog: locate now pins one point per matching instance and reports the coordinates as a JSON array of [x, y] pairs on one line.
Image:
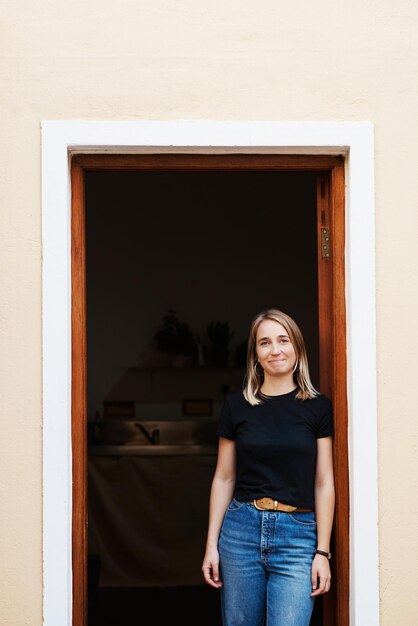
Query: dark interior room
[[177, 265]]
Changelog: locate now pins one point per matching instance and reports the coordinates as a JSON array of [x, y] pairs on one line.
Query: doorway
[[196, 250]]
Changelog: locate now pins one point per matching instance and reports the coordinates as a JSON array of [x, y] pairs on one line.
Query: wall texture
[[214, 60]]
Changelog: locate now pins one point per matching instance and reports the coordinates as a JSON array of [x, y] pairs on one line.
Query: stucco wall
[[217, 60]]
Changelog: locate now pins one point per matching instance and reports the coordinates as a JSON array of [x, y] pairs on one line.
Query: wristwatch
[[327, 554]]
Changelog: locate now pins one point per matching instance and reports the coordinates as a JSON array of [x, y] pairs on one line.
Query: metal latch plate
[[325, 243]]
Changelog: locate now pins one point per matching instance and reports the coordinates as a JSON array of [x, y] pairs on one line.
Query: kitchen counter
[[150, 450]]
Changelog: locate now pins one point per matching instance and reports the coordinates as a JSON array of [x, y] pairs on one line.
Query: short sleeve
[[225, 425], [325, 422]]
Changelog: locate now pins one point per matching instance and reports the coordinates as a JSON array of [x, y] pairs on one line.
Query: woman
[[272, 497]]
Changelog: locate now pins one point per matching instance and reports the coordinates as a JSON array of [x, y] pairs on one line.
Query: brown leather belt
[[268, 504]]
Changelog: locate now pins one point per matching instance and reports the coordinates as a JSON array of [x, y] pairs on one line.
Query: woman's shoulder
[[320, 401], [321, 397], [236, 399]]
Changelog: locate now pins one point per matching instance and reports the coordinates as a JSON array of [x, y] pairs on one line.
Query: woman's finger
[[211, 575]]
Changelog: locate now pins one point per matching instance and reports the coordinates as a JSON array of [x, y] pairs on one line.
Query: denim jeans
[[265, 566]]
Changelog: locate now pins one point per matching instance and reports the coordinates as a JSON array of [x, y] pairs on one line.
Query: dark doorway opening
[[216, 247]]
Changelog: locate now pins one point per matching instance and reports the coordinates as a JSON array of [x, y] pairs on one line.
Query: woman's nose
[[275, 348]]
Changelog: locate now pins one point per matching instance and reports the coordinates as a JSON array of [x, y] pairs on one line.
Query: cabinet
[[148, 518]]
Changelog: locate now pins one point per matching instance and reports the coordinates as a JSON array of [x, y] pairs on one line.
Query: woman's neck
[[273, 386]]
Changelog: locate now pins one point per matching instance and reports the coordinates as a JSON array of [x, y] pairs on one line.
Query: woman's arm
[[221, 492], [324, 513]]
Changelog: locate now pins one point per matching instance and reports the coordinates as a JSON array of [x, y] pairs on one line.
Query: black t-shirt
[[276, 445]]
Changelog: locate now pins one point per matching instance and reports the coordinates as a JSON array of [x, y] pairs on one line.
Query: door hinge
[[325, 243]]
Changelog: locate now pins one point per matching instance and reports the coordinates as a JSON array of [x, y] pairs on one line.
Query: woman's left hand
[[322, 571]]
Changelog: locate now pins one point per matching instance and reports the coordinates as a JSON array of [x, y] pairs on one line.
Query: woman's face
[[274, 349]]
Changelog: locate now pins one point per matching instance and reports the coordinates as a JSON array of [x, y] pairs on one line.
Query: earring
[[255, 368], [295, 367]]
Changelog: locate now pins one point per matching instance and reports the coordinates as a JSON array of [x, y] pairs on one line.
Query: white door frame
[[354, 140]]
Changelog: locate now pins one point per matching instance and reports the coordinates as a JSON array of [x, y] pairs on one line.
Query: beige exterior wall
[[207, 60]]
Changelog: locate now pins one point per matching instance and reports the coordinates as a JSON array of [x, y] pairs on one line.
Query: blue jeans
[[265, 565]]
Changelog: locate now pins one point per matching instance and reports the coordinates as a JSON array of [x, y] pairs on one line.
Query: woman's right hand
[[221, 492], [210, 568]]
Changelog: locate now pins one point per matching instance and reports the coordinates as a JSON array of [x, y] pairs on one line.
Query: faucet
[[153, 437]]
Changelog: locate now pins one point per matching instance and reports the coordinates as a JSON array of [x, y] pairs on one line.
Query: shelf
[[165, 385]]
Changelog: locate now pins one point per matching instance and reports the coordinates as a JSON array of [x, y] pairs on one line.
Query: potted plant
[[175, 338]]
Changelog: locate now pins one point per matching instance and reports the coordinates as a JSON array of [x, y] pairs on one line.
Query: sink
[[153, 433]]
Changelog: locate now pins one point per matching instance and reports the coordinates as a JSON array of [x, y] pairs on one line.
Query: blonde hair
[[254, 379]]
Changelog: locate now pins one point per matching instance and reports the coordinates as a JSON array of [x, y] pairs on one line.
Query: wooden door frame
[[332, 331], [61, 140]]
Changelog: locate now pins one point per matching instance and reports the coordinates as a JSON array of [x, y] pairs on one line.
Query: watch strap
[[327, 554]]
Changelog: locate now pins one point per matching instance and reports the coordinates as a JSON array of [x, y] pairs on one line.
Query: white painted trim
[[354, 139]]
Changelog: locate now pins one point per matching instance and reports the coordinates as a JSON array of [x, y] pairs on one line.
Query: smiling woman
[[277, 358], [273, 485]]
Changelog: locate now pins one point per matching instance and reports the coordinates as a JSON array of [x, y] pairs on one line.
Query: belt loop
[[276, 504]]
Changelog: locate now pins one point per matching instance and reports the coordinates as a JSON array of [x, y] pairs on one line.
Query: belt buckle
[[260, 508]]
